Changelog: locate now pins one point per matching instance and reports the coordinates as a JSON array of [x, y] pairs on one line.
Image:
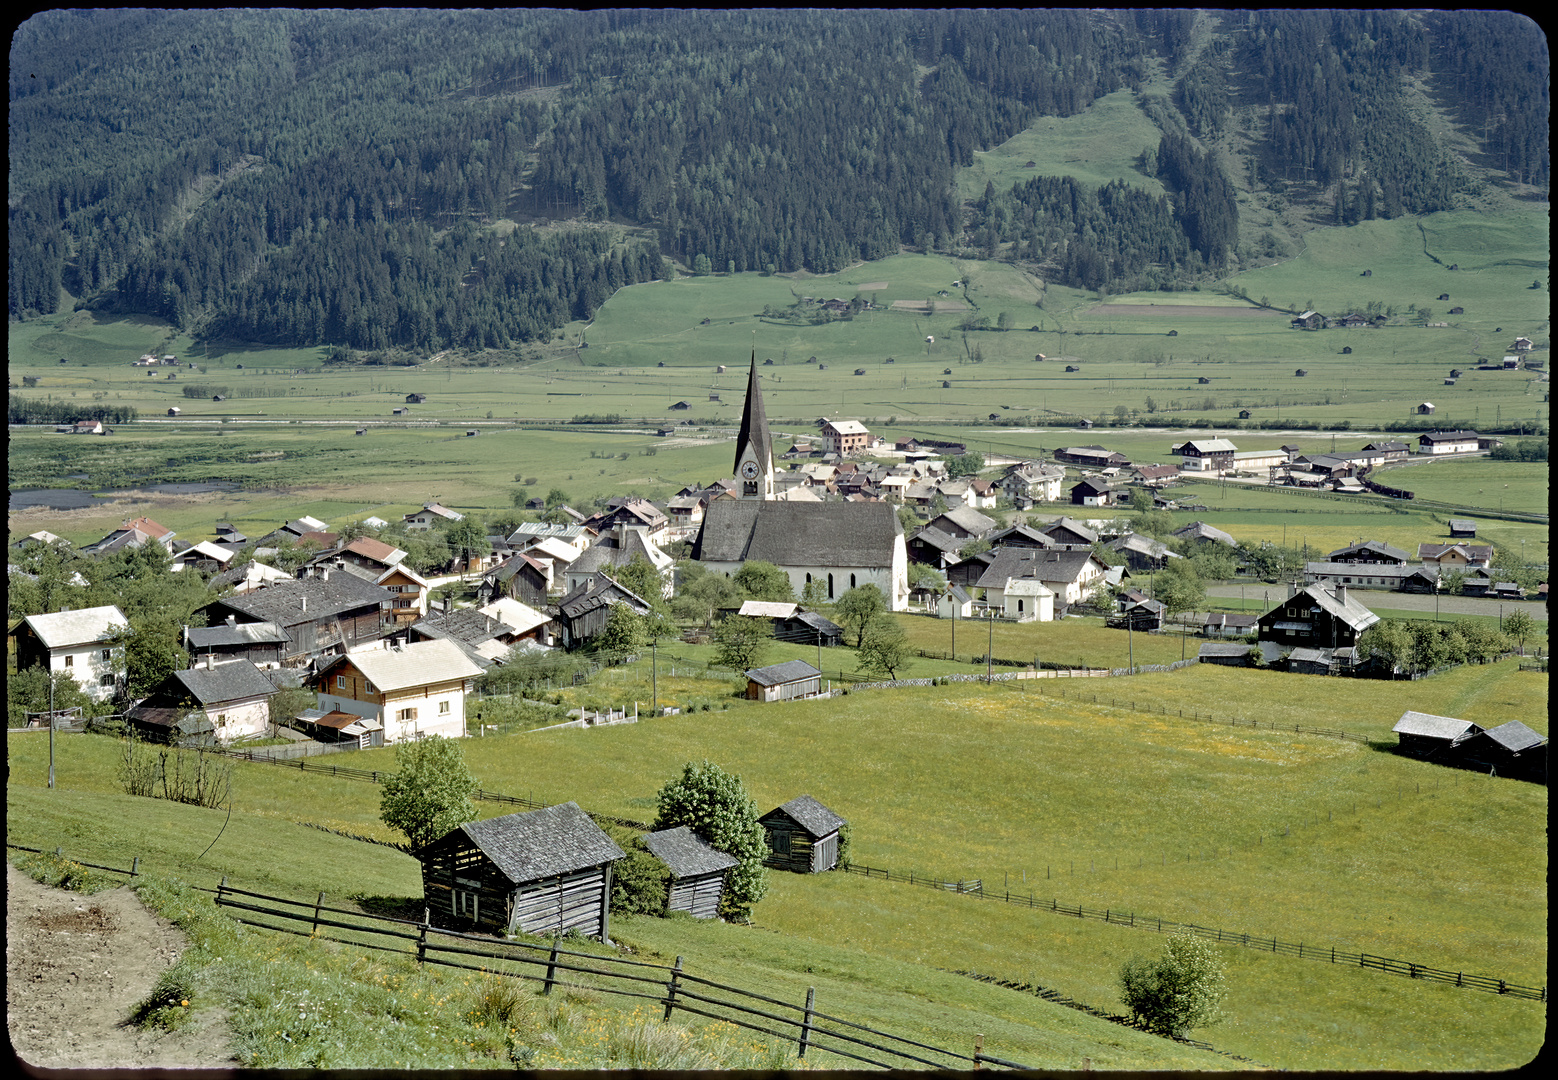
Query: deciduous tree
[[1180, 990], [714, 804], [883, 648], [740, 642], [430, 792], [857, 607]]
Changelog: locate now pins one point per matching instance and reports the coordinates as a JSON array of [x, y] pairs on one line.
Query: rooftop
[[543, 843]]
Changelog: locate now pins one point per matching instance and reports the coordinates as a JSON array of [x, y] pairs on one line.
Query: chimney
[[1341, 594], [305, 605], [232, 620], [210, 661], [1292, 589]]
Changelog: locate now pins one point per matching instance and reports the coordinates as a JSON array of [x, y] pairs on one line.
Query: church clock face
[[749, 470]]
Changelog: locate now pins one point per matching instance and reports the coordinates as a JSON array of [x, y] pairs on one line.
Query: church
[[840, 544]]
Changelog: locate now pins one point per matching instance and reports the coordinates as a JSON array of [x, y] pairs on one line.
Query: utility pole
[[990, 643], [654, 677], [50, 672]]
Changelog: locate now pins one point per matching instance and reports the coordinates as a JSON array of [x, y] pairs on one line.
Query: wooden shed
[[546, 871], [803, 835], [781, 682], [697, 870], [1424, 735], [1510, 750]]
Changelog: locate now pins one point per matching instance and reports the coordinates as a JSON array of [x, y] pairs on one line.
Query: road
[[1398, 601]]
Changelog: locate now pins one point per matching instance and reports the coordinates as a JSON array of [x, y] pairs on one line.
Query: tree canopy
[[714, 804], [430, 791], [1178, 991]]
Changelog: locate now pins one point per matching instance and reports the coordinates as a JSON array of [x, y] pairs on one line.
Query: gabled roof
[[1224, 648], [543, 843], [281, 602], [232, 681], [417, 664], [787, 672], [754, 424], [967, 517], [1349, 611], [1446, 436], [207, 549], [605, 592], [1087, 535], [767, 609], [251, 633], [810, 815], [1413, 722], [686, 853], [464, 625], [377, 550], [1144, 545], [61, 629], [1515, 737], [1047, 566], [798, 534], [1373, 547], [1025, 533], [1206, 446], [943, 542], [1200, 530], [1220, 619], [260, 571], [519, 618]]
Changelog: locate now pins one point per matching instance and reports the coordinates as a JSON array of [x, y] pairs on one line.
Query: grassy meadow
[[1266, 832]]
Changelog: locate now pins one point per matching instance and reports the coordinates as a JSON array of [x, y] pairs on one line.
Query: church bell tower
[[754, 452]]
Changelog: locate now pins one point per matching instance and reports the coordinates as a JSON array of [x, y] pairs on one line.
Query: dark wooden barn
[[697, 870], [1433, 738], [547, 871], [1511, 750], [781, 682], [584, 612], [1226, 653], [803, 835]]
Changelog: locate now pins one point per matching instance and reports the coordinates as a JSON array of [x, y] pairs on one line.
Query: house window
[[106, 680], [830, 597], [107, 654], [851, 581], [406, 714], [1019, 607], [443, 706], [221, 719], [340, 682], [70, 661], [465, 903]]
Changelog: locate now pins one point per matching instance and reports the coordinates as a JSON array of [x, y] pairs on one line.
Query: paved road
[[1375, 598]]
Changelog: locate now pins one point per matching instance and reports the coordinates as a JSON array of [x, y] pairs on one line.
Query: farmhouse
[[523, 623], [1316, 617], [1309, 320], [1463, 527], [1034, 480], [1069, 531], [1200, 530], [1369, 551], [1091, 491], [1456, 555], [133, 534], [202, 556], [782, 682], [423, 519], [1446, 442], [1139, 615], [616, 550], [248, 577], [260, 643], [1070, 574], [845, 437], [521, 577], [1392, 449], [1142, 552], [325, 614], [414, 690], [1156, 475], [932, 547], [234, 698], [1094, 457], [76, 642], [803, 836], [546, 871], [1205, 455], [583, 613], [1226, 654], [963, 523], [697, 870], [1228, 625]]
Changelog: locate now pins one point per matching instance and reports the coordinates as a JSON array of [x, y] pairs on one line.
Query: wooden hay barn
[[1511, 750], [1424, 735], [781, 682], [803, 835], [1226, 653], [697, 870], [546, 871]]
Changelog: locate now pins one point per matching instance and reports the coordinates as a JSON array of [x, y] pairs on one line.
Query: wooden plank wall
[[458, 865], [570, 902], [699, 895]]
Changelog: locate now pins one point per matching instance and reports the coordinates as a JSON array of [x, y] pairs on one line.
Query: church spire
[[754, 452]]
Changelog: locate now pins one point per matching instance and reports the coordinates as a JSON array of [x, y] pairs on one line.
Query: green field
[[1265, 832]]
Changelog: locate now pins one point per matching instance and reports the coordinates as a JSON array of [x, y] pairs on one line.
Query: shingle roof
[[1515, 736], [754, 423], [60, 629], [1200, 530], [767, 609], [282, 601], [254, 633], [377, 550], [968, 518], [1310, 656], [787, 672], [1375, 547], [1350, 611], [1064, 566], [1070, 525], [464, 625], [941, 541], [416, 664], [603, 593], [517, 617], [798, 534], [543, 843], [811, 815], [1413, 722], [1224, 648], [686, 853], [224, 682]]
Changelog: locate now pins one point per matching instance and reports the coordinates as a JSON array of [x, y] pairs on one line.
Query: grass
[[1259, 831]]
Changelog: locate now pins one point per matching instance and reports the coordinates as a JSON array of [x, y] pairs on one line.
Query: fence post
[[427, 916], [979, 1051], [220, 889], [317, 905], [670, 996], [135, 866], [551, 971], [811, 995]]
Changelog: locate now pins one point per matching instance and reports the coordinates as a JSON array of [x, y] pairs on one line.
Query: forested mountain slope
[[310, 177]]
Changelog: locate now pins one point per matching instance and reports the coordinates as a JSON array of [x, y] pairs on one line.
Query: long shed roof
[[543, 843], [686, 853], [1413, 722]]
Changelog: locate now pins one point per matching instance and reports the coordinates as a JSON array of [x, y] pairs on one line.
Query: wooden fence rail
[[1301, 950], [59, 853], [673, 987]]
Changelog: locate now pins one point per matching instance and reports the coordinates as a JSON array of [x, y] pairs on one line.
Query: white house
[[1036, 480], [1447, 442], [1028, 599], [76, 642], [432, 512], [414, 690]]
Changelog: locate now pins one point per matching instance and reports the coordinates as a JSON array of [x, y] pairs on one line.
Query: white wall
[[87, 667]]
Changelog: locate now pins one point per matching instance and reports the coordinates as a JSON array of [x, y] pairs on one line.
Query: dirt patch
[[871, 286], [1177, 311], [76, 966]]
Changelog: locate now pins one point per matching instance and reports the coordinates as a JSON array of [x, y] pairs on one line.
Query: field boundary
[[681, 989], [1300, 950]]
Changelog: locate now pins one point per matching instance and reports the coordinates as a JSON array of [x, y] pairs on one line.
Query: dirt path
[[75, 967]]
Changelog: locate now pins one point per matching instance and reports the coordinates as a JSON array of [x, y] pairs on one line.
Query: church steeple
[[754, 452]]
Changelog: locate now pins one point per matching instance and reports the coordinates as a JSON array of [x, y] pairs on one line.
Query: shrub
[[715, 805], [1180, 990], [167, 1006], [640, 884]]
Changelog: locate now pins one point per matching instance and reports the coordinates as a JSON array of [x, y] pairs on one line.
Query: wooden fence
[[673, 987], [1328, 954], [59, 853], [1230, 721]]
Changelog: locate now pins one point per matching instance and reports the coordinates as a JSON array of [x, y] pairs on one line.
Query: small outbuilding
[[1510, 750], [1463, 527], [1424, 735], [697, 870], [1226, 653], [546, 871], [803, 836], [782, 682]]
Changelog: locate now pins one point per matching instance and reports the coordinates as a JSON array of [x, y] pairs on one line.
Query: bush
[[1180, 990], [431, 793], [167, 1006], [640, 883], [715, 805]]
